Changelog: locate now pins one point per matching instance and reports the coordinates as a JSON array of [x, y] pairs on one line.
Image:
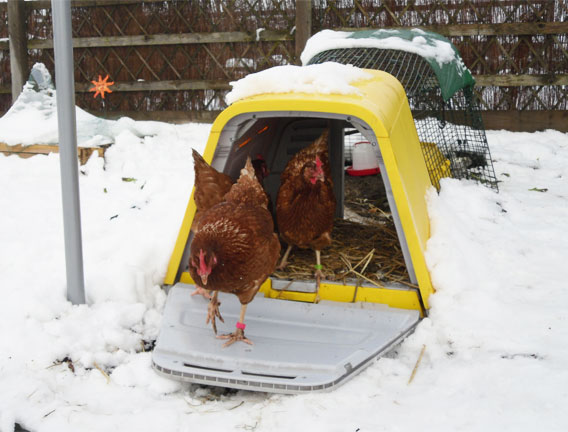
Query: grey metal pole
[[65, 85]]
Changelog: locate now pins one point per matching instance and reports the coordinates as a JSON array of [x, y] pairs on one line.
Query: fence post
[[303, 25], [18, 46]]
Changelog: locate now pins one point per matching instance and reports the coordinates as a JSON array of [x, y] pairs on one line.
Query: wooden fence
[[174, 60]]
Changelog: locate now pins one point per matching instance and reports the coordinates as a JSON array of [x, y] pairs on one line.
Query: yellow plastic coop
[[301, 346]]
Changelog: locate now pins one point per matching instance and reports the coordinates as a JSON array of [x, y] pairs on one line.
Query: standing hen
[[235, 248], [305, 204], [211, 187]]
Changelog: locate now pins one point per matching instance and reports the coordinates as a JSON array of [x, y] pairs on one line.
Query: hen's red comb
[[319, 163]]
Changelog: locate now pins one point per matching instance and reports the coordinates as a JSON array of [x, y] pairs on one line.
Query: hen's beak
[[204, 278]]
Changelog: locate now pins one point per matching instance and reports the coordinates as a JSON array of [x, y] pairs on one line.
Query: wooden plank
[[480, 80], [272, 36], [28, 151], [526, 121], [46, 4], [525, 28], [173, 85], [159, 86], [520, 80], [176, 117], [502, 29], [167, 39], [521, 121]]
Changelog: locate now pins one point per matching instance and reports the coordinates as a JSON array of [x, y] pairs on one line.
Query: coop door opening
[[366, 249]]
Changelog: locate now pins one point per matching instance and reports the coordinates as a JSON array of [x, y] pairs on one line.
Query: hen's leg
[[203, 292], [284, 261], [318, 274], [239, 334], [213, 311]]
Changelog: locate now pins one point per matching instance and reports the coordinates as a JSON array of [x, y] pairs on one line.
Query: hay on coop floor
[[359, 252]]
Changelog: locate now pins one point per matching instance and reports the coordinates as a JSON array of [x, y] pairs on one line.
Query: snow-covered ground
[[495, 342]]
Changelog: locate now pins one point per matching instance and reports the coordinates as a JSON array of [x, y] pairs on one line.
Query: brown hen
[[305, 204], [210, 189], [235, 248]]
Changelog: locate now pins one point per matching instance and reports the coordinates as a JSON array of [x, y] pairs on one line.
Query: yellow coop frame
[[381, 108]]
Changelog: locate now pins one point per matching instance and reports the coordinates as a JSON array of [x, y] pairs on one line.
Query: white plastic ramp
[[298, 347]]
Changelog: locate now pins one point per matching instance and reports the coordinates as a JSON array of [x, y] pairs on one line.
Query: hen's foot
[[213, 312], [201, 291], [238, 335], [282, 265]]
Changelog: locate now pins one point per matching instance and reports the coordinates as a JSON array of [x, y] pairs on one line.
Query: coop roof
[[438, 51]]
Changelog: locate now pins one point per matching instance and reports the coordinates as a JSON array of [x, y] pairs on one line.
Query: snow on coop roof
[[438, 51], [325, 78]]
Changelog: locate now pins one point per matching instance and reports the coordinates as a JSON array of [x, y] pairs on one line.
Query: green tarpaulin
[[437, 50]]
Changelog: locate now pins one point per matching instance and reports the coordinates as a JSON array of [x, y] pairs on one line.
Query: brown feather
[[210, 185], [247, 190]]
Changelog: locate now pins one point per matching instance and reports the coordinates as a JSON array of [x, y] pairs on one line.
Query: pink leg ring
[[241, 325]]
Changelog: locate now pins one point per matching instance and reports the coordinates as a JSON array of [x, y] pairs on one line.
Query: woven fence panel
[[193, 76], [506, 54], [219, 62]]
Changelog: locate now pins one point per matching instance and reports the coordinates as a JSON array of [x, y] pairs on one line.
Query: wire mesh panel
[[451, 132]]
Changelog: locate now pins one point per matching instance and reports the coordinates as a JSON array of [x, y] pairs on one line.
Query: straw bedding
[[365, 245]]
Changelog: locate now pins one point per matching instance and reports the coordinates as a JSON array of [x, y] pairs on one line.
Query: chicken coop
[[301, 346], [439, 90]]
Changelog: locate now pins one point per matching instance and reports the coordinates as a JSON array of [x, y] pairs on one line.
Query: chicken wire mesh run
[[451, 132]]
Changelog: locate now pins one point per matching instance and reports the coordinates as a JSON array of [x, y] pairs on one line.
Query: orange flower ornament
[[101, 86]]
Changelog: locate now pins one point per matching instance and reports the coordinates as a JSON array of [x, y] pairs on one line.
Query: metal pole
[[65, 85]]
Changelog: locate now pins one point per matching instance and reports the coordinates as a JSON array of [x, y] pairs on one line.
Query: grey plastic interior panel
[[298, 347]]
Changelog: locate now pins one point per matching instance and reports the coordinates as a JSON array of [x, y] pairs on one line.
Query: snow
[[258, 32], [495, 349], [240, 63], [325, 78], [324, 40]]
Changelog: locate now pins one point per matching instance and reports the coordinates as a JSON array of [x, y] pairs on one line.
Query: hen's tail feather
[[210, 184], [247, 189], [198, 161], [320, 144]]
